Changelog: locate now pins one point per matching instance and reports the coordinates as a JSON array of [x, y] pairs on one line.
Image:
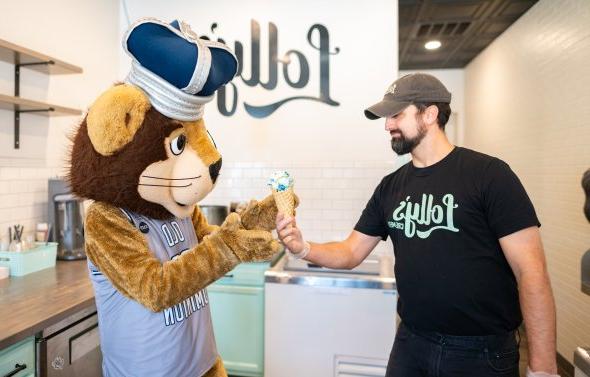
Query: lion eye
[[177, 144]]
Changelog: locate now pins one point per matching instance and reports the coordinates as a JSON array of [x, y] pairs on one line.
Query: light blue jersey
[[135, 341]]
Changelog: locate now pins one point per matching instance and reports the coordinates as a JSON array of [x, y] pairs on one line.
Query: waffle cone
[[285, 201]]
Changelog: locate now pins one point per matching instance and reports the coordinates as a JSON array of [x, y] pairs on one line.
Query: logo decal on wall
[[290, 57]]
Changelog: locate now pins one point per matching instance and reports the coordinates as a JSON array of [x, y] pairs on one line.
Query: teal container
[[237, 309], [26, 262]]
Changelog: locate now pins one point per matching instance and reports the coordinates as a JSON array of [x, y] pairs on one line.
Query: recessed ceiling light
[[432, 45]]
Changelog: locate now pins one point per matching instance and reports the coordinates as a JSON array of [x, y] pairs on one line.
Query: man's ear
[[431, 114], [115, 117]]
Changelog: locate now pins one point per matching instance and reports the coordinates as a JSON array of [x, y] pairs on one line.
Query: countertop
[[30, 303]]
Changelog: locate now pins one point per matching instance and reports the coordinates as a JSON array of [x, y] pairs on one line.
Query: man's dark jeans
[[426, 354]]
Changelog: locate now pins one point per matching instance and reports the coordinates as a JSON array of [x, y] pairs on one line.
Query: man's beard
[[402, 145]]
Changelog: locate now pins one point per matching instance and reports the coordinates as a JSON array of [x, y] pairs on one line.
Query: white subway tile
[[25, 199], [4, 217], [330, 214], [342, 204], [332, 173], [9, 173], [19, 186], [9, 201], [4, 187], [253, 173], [28, 173]]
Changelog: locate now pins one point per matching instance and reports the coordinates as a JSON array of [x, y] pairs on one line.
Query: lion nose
[[214, 170]]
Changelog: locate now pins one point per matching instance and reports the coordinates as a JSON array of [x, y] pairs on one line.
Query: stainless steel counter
[[373, 272]]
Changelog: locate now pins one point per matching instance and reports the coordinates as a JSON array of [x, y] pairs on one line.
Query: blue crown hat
[[179, 71]]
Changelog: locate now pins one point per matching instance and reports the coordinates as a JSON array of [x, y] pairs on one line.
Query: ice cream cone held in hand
[[281, 184]]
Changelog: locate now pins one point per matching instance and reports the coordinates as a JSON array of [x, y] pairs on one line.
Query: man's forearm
[[538, 308], [331, 255]]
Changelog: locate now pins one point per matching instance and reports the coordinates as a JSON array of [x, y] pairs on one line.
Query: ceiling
[[464, 27]]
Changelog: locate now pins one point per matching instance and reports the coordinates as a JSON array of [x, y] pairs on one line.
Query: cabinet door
[[19, 357], [238, 322]]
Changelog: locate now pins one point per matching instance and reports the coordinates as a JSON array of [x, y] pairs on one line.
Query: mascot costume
[[145, 158]]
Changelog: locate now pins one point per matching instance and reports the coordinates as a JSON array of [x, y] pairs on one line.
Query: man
[[469, 259]]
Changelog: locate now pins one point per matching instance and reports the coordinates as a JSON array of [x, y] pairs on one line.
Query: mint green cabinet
[[237, 309], [19, 358]]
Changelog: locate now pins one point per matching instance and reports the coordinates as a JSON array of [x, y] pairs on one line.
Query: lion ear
[[114, 118]]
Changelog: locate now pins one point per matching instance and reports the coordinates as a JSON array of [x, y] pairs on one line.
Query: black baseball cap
[[408, 89]]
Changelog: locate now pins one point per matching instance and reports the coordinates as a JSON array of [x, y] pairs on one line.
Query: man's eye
[[177, 144]]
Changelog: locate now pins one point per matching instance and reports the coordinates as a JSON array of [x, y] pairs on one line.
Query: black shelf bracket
[[17, 114], [17, 111]]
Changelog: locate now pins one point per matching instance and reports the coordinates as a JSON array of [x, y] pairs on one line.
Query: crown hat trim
[[165, 97]]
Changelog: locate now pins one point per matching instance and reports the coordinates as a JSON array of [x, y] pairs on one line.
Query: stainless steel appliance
[[71, 347], [66, 214], [215, 214]]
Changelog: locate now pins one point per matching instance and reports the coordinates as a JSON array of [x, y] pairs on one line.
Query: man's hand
[[289, 234]]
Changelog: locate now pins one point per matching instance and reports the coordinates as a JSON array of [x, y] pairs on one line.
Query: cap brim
[[385, 109]]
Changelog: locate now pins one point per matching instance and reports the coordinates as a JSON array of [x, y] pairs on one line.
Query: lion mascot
[[142, 154]]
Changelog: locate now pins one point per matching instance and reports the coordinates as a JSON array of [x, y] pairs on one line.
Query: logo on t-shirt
[[423, 218]]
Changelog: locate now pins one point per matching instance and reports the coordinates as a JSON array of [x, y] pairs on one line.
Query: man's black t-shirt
[[445, 221]]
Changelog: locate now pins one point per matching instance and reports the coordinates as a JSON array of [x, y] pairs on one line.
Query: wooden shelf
[[22, 57], [26, 105], [15, 54]]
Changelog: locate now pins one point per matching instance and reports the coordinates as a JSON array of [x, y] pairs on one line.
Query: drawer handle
[[17, 368], [228, 275]]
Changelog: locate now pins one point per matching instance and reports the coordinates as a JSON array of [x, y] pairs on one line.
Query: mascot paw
[[232, 222], [249, 245], [259, 246], [261, 215]]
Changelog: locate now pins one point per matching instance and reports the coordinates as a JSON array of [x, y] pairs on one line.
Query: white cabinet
[[319, 331]]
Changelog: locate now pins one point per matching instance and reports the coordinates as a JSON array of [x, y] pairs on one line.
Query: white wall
[[454, 80], [300, 130], [84, 33], [527, 99]]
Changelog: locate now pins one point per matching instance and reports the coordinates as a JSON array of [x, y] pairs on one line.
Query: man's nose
[[389, 124], [214, 170]]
